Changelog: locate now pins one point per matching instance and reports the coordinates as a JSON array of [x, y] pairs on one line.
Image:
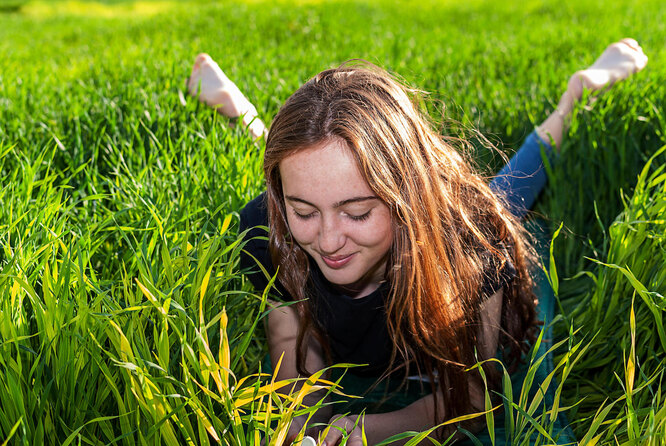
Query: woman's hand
[[341, 425], [296, 426]]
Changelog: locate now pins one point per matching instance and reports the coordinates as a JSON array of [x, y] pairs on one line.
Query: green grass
[[622, 316], [118, 202]]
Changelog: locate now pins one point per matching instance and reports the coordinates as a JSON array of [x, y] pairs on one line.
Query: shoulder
[[253, 226], [255, 257], [255, 213]]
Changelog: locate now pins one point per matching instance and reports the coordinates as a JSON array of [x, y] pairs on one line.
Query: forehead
[[323, 174]]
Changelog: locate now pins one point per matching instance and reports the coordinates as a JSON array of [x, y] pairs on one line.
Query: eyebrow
[[336, 205]]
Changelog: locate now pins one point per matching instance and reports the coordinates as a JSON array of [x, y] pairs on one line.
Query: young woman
[[398, 255]]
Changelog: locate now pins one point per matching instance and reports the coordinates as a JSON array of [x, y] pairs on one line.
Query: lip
[[337, 262]]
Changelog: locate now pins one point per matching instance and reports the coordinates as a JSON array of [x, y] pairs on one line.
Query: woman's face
[[335, 217]]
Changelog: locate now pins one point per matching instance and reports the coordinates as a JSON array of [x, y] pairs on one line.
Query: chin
[[339, 279]]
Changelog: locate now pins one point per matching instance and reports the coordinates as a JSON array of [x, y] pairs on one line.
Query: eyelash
[[303, 217], [352, 217], [360, 217]]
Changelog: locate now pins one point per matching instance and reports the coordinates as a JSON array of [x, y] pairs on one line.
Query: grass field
[[124, 318]]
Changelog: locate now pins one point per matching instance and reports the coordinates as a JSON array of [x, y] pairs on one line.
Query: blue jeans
[[524, 176]]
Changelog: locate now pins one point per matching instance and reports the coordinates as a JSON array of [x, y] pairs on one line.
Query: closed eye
[[360, 217], [303, 216]]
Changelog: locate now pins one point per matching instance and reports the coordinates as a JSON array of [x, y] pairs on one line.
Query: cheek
[[303, 232], [386, 238], [378, 235]]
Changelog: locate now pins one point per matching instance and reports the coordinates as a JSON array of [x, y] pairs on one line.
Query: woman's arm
[[282, 333], [420, 415], [282, 336], [282, 321]]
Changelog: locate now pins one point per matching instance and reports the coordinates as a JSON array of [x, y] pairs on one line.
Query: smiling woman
[[420, 285], [397, 254], [336, 218]]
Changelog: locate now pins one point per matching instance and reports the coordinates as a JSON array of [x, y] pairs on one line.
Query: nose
[[331, 236]]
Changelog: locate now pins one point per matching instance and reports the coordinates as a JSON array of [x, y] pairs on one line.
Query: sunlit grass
[[623, 318], [124, 317], [96, 9]]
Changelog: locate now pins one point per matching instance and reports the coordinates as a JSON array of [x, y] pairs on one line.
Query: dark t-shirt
[[356, 328]]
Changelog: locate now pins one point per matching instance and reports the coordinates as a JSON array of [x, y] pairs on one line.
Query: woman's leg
[[521, 180], [619, 61], [210, 85]]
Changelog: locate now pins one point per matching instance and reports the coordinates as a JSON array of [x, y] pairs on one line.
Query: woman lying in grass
[[397, 253]]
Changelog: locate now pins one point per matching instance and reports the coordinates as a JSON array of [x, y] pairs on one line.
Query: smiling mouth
[[337, 262]]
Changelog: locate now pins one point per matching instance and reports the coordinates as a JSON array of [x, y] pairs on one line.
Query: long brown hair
[[448, 224]]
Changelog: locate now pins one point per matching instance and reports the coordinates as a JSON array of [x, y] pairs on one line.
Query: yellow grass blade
[[202, 293], [631, 366], [225, 354]]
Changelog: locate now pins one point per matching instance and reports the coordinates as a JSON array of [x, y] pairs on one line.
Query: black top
[[356, 328]]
